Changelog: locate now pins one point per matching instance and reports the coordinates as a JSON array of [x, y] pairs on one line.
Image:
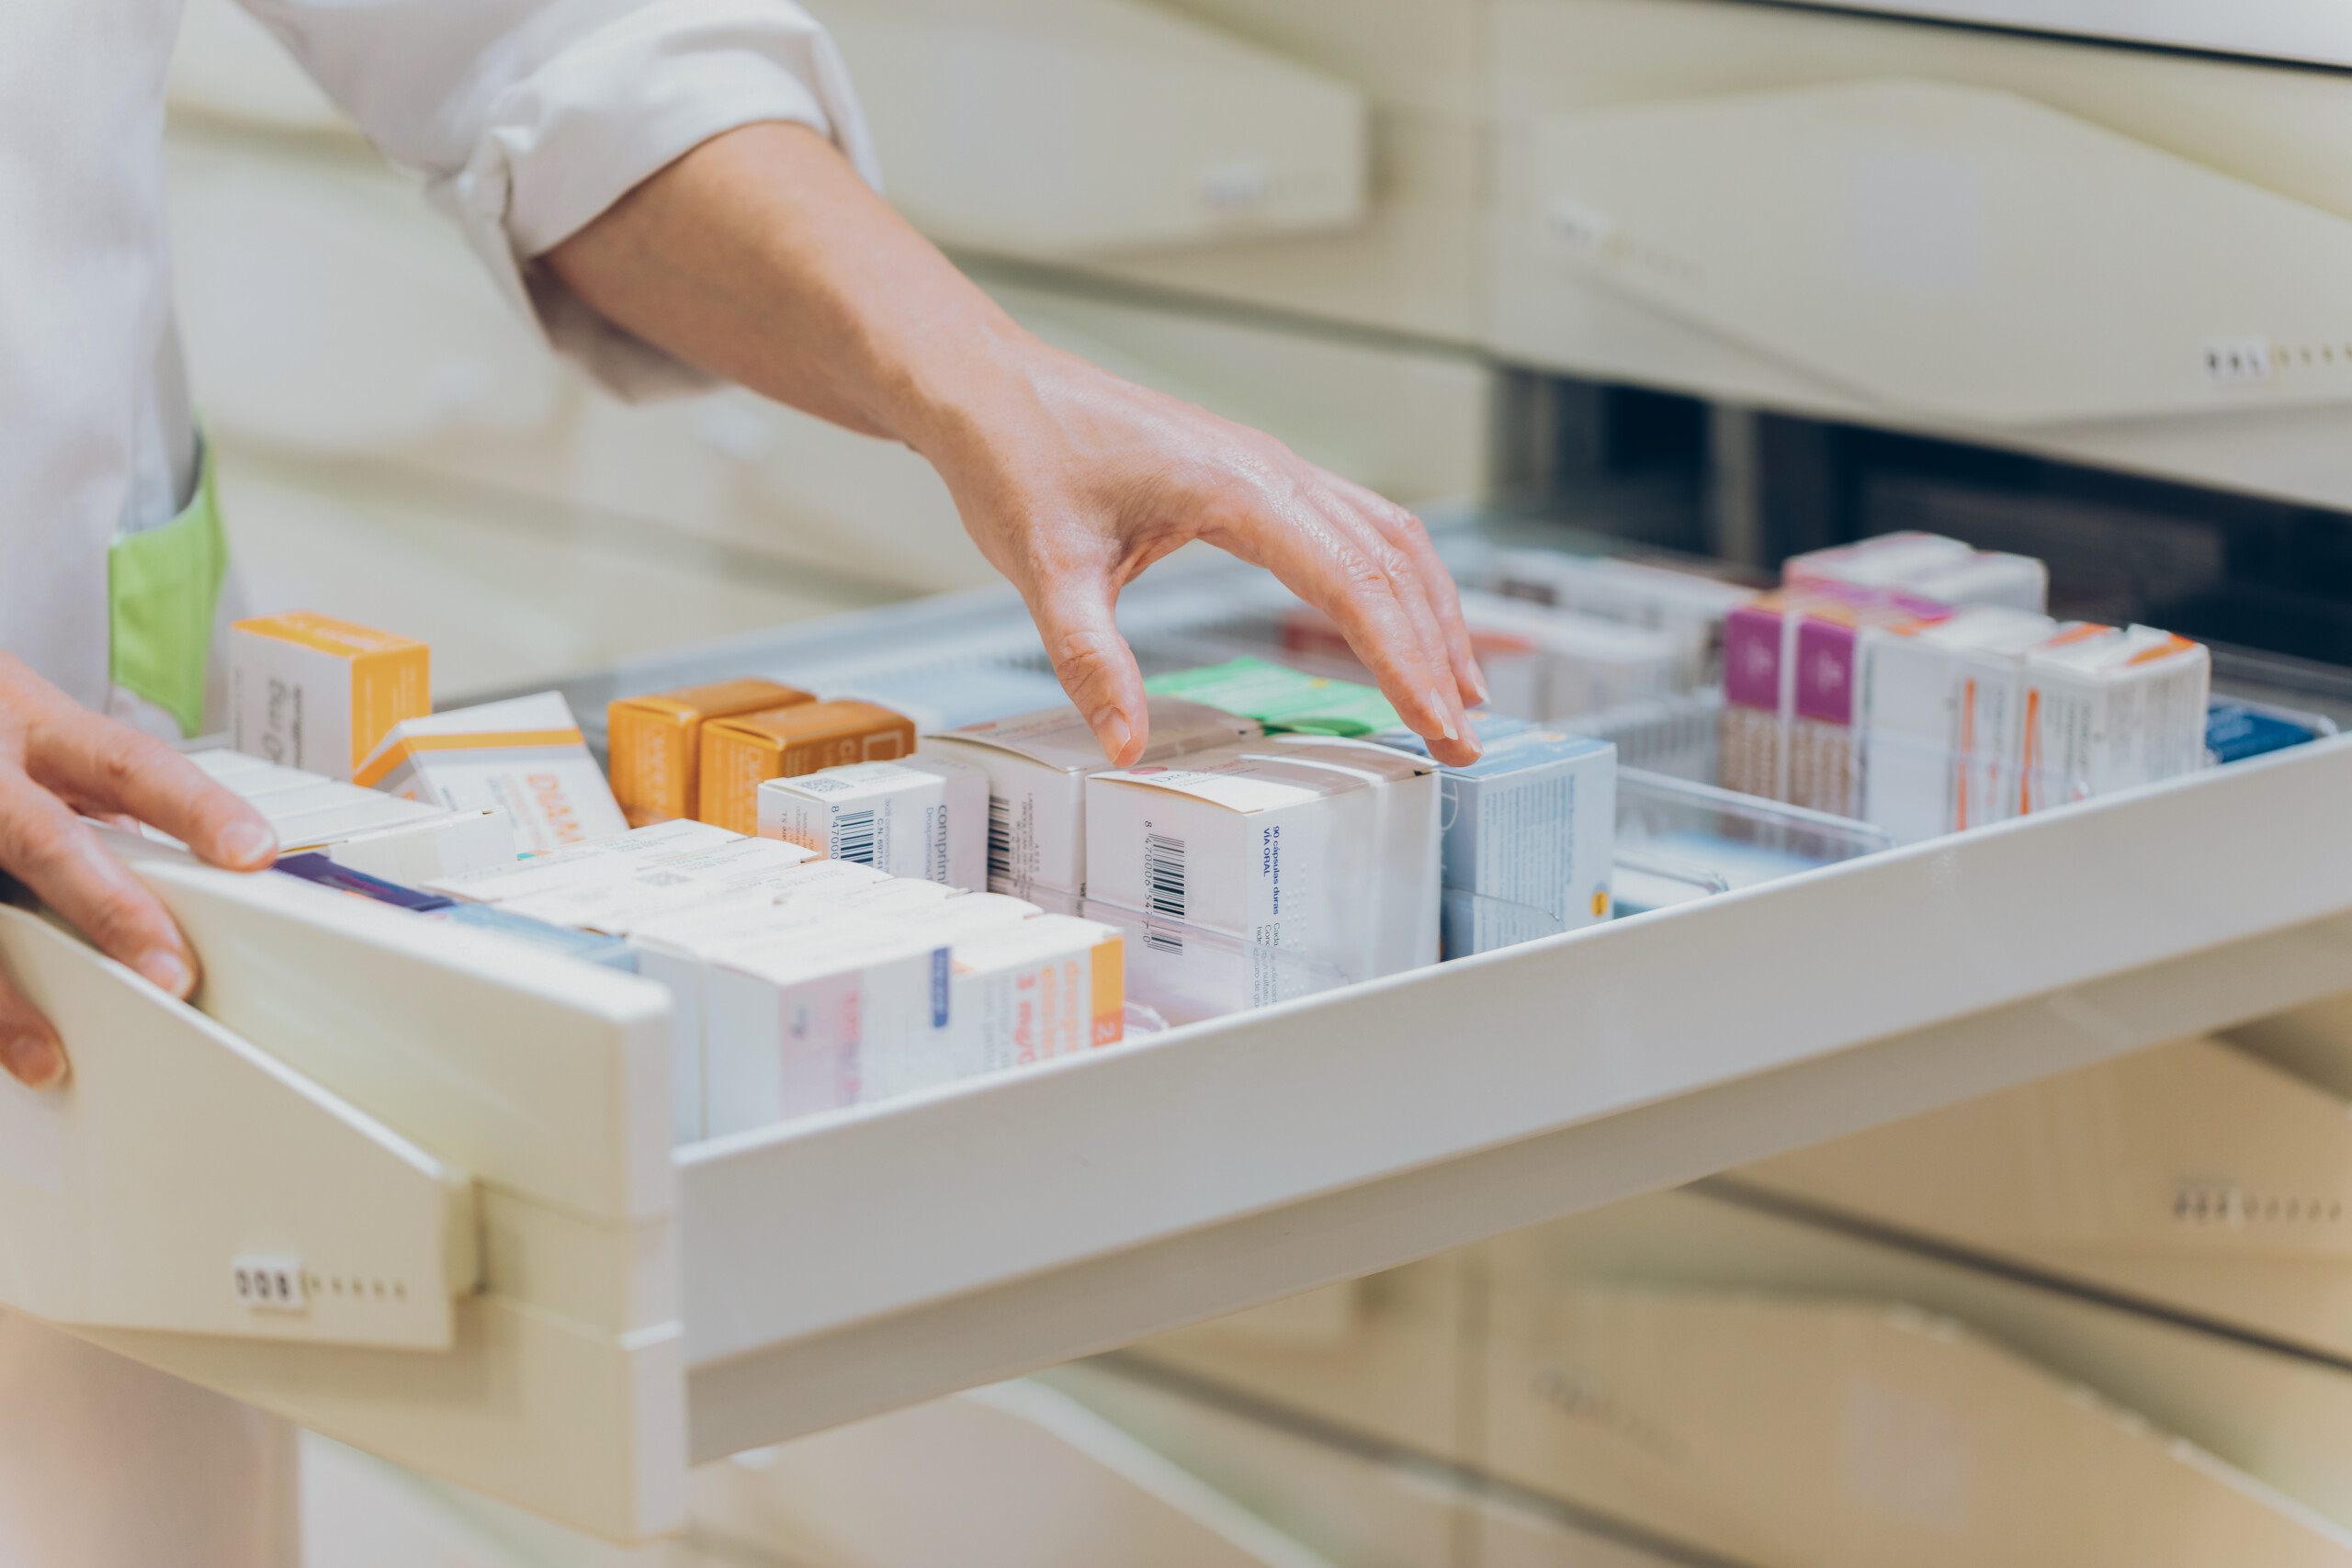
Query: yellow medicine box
[[741, 753], [312, 692], [655, 741]]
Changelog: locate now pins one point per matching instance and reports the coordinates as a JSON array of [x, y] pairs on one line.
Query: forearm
[[762, 258]]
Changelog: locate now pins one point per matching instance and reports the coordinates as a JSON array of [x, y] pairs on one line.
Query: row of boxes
[[1916, 684]]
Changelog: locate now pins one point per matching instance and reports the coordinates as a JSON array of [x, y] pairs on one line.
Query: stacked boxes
[[1684, 604], [1941, 711], [654, 742], [1036, 765], [1530, 835], [310, 692], [1789, 689], [1916, 682], [1283, 699], [924, 817], [2105, 708], [1325, 850], [803, 984], [377, 835], [1930, 566], [1515, 667], [741, 753], [1586, 664], [525, 756]]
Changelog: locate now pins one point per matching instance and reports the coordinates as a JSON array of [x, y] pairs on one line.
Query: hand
[[1072, 481], [58, 760], [762, 257]]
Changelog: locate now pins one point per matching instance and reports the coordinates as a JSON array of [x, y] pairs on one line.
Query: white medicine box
[[1328, 848]]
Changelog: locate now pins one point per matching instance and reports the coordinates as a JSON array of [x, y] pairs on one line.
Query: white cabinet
[[641, 1307], [1061, 128]]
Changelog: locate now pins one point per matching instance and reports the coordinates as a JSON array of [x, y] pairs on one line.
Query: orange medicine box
[[741, 753], [655, 741], [312, 692]]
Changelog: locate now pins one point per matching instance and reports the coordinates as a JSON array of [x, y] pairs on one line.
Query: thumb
[[1094, 665]]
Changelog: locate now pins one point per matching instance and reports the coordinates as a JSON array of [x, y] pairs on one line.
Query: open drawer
[[572, 1312]]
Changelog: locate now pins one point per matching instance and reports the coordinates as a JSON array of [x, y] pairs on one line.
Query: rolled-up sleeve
[[528, 119]]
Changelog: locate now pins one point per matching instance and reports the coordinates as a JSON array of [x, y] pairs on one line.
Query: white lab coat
[[527, 119]]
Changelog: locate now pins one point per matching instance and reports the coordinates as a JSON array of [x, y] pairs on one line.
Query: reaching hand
[[1077, 482], [761, 257]]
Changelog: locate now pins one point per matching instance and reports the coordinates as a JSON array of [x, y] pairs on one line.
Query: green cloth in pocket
[[162, 589]]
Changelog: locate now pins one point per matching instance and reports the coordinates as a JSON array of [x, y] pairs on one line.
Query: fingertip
[[247, 845], [34, 1059], [166, 971], [1118, 739]]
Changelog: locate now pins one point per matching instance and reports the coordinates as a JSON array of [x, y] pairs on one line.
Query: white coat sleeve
[[529, 118]]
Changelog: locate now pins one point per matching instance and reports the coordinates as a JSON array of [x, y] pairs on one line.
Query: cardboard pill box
[[741, 753]]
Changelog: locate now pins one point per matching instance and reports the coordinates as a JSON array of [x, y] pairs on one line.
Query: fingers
[[1408, 534], [1093, 663], [52, 853], [111, 771], [29, 1049], [1341, 563], [1404, 581]]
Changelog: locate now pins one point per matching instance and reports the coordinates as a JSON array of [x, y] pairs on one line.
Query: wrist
[[965, 405]]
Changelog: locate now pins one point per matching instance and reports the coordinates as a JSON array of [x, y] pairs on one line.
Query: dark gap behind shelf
[[1669, 472]]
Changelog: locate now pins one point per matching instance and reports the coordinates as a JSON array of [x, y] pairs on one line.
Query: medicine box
[[1530, 834], [926, 818], [1588, 664], [580, 862], [2109, 708], [741, 753], [312, 692], [402, 841], [1049, 987], [1328, 848], [1930, 566], [1789, 676], [1941, 714], [1283, 699], [1036, 764], [1687, 605], [792, 1018], [640, 892], [1516, 669], [525, 755], [653, 743]]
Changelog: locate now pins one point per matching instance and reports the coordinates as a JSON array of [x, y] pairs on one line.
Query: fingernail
[[34, 1061], [1478, 685], [1437, 706], [246, 842], [1111, 729], [166, 971]]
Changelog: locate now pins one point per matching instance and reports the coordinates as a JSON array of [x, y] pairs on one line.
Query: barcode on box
[[999, 838], [854, 837], [1161, 939], [1163, 875], [268, 1284]]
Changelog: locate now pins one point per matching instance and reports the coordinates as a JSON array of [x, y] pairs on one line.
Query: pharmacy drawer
[[390, 1114]]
